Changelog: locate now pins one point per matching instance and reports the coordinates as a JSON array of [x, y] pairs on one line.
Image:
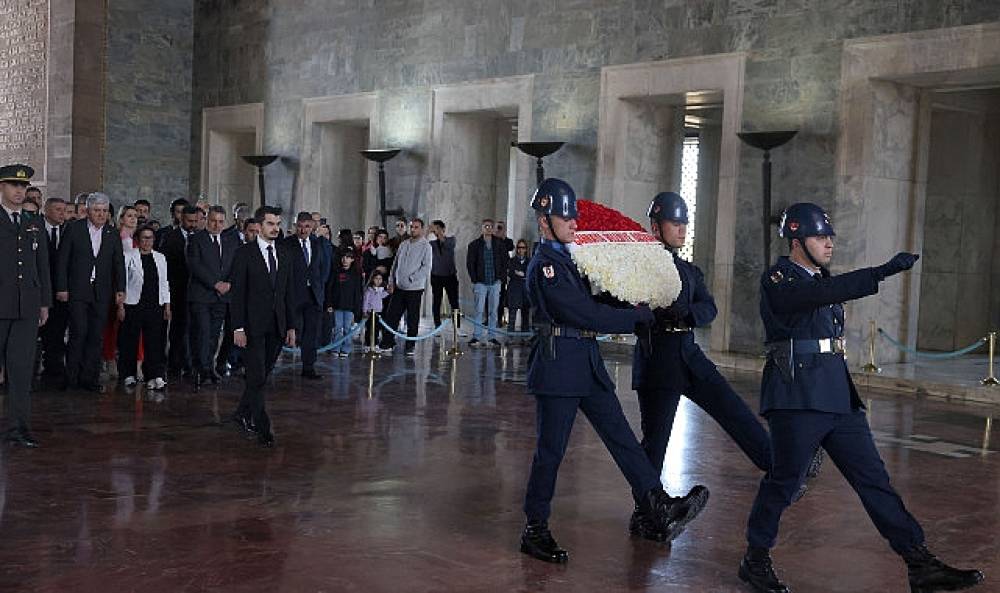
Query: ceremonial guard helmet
[[803, 220], [669, 206], [555, 197]]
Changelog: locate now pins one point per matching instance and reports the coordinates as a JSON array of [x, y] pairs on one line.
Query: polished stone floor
[[407, 475]]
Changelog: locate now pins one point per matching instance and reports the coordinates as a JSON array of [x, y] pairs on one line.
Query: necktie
[[55, 237], [14, 215], [305, 251], [272, 265], [218, 247]]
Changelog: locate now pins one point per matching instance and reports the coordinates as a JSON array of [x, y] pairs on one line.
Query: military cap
[[16, 173]]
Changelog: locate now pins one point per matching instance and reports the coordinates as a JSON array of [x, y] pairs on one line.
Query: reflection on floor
[[407, 475]]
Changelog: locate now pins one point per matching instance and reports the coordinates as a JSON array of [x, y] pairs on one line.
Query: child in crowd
[[344, 299], [374, 295]]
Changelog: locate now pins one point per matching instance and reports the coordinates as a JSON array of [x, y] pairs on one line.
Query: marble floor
[[407, 475]]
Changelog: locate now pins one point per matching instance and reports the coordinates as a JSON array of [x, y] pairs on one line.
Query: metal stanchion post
[[871, 367], [456, 317], [372, 346], [991, 379]]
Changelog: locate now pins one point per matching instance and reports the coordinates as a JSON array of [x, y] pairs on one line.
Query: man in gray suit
[[25, 298]]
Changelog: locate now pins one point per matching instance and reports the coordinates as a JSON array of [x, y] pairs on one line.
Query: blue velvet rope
[[932, 355]]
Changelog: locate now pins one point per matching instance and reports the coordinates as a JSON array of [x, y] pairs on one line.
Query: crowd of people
[[155, 303]]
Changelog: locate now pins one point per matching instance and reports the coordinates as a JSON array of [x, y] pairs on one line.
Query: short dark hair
[[250, 221], [33, 188], [217, 210], [439, 223], [142, 202], [359, 234], [178, 202], [303, 216], [485, 220], [420, 220], [272, 210], [144, 227], [50, 201], [189, 209]]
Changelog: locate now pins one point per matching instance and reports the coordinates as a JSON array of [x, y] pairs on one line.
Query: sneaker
[[474, 343], [130, 381], [411, 353], [494, 343], [344, 354], [156, 384]]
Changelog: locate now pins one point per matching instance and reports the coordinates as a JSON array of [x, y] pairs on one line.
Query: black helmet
[[555, 197], [805, 220], [668, 206]]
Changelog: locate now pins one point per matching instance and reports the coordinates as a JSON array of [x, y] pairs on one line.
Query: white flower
[[630, 265]]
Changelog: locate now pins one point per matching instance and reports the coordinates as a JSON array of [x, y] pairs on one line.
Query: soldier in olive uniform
[[25, 298]]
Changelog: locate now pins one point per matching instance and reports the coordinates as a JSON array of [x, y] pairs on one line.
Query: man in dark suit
[[311, 271], [241, 212], [261, 308], [90, 274], [210, 258], [174, 249], [25, 296], [176, 221], [53, 333]]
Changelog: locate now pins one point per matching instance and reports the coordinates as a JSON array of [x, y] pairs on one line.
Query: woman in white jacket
[[147, 306]]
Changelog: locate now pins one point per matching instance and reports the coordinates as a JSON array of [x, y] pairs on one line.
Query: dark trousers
[[525, 310], [555, 416], [308, 321], [226, 347], [179, 357], [83, 355], [658, 406], [146, 322], [53, 335], [441, 285], [259, 357], [400, 301], [206, 321], [795, 436], [18, 338]]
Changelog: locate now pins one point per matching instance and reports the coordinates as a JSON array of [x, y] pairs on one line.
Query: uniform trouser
[[179, 357], [309, 318], [440, 286], [86, 329], [18, 338], [408, 300], [658, 406], [795, 436], [54, 339], [259, 357], [555, 416], [206, 321], [147, 322]]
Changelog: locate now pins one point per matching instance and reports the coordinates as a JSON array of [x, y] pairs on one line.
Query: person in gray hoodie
[[407, 281]]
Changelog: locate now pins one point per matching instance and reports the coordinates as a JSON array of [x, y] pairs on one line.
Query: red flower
[[595, 217]]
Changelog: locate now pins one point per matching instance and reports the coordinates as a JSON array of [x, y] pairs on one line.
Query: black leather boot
[[671, 515], [642, 525], [537, 541], [928, 574], [757, 571]]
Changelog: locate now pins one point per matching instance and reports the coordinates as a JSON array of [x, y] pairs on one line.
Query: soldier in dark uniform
[[809, 400], [566, 374], [667, 362], [25, 298]]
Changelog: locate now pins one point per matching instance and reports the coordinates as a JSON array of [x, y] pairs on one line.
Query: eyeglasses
[[400, 225]]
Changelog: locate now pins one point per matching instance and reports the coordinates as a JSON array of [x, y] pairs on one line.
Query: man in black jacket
[[311, 271], [261, 308], [53, 333], [486, 262], [174, 249], [210, 257], [90, 274]]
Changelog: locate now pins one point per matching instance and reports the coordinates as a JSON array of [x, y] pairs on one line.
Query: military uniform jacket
[[25, 280], [559, 296], [797, 306], [676, 354]]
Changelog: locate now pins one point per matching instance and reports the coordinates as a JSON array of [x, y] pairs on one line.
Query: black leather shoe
[[244, 422], [23, 438], [928, 574], [213, 376], [222, 372], [91, 387], [672, 515], [642, 525], [266, 440], [537, 542], [757, 571], [311, 374]]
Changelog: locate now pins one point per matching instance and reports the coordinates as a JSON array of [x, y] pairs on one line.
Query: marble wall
[[958, 287]]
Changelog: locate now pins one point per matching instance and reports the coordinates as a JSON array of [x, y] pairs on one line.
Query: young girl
[[344, 298], [374, 295]]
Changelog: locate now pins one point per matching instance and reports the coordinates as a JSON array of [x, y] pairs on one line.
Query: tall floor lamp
[[380, 156], [539, 150], [260, 161], [767, 141]]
